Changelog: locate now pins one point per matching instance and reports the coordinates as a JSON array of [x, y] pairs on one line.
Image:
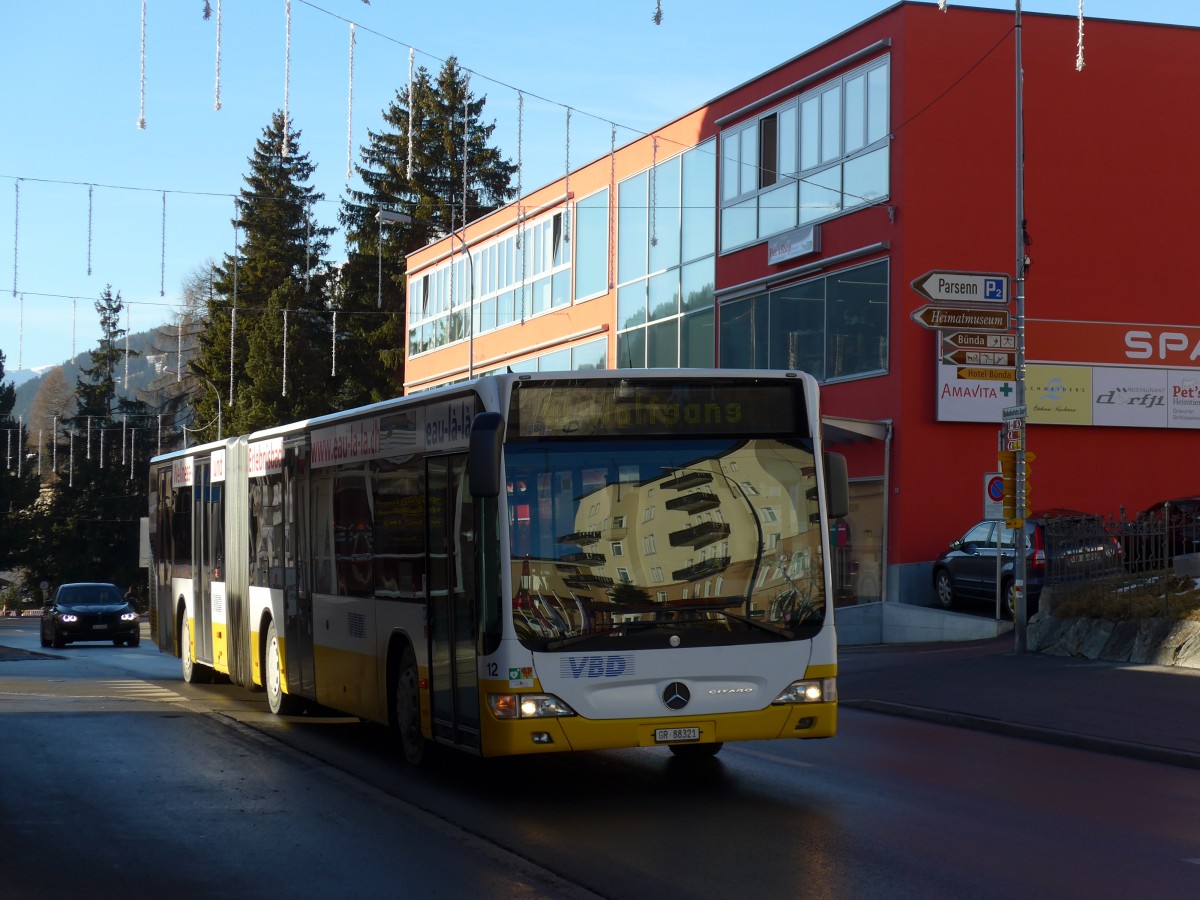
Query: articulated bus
[[520, 563]]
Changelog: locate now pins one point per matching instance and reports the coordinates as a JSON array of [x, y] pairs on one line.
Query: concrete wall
[[903, 623]]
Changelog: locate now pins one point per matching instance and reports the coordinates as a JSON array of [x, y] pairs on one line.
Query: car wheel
[[1009, 598], [56, 639], [697, 751], [117, 642], [193, 672], [408, 709], [281, 703], [943, 589], [134, 641], [45, 640]]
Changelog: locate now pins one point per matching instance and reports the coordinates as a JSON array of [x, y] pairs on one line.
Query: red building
[[782, 225]]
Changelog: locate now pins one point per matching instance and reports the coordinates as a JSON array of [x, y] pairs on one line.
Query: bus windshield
[[653, 542]]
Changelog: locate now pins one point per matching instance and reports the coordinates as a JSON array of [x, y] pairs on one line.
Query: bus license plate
[[673, 735]]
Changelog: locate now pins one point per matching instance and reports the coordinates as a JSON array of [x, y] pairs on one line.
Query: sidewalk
[[1142, 712]]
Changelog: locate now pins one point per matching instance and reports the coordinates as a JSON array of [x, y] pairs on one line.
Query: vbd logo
[[596, 666]]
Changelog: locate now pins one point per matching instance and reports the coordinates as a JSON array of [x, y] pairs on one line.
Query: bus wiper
[[573, 639], [785, 633]]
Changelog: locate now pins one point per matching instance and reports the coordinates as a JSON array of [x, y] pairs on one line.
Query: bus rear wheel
[[408, 709], [193, 672], [281, 703]]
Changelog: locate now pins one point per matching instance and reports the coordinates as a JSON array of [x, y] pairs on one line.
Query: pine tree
[[372, 284], [280, 265]]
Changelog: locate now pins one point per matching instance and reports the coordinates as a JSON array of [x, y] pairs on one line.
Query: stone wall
[[1156, 642]]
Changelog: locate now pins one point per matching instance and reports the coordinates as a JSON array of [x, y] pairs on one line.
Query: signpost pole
[[1019, 572]]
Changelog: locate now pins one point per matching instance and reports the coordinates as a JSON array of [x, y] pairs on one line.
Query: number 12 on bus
[[521, 563]]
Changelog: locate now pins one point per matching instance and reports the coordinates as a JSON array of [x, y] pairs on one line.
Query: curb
[[1143, 752]]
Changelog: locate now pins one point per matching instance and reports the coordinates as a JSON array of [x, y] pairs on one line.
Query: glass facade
[[817, 156], [666, 263], [834, 326]]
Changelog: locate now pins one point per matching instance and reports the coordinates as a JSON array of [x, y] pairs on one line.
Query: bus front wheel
[[408, 709], [281, 703], [193, 672]]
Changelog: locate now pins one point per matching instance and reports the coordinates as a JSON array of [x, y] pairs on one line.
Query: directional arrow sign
[[960, 287], [972, 340], [958, 317], [980, 358]]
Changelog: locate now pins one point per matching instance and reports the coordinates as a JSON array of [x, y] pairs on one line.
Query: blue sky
[[72, 93]]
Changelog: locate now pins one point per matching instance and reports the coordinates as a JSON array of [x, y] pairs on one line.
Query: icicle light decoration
[[21, 337], [71, 457], [658, 15], [89, 437], [124, 436], [287, 73], [1079, 52], [162, 276], [217, 89], [410, 113], [285, 335], [307, 250], [89, 253], [520, 158], [379, 277], [54, 445], [333, 349], [350, 113], [942, 5], [127, 329], [159, 450], [567, 184], [16, 229], [132, 450], [612, 202], [654, 195], [179, 350], [233, 309], [466, 155], [74, 310], [141, 122]]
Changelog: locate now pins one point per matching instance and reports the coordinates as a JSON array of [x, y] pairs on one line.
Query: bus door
[[453, 673], [202, 569], [297, 596]]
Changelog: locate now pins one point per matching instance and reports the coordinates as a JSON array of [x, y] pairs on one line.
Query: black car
[[90, 611], [1074, 545]]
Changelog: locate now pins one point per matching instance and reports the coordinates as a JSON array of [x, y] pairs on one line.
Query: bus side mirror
[[483, 461], [837, 486]]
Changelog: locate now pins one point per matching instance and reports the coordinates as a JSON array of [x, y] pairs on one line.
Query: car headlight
[[527, 706], [129, 616], [68, 617], [811, 690]]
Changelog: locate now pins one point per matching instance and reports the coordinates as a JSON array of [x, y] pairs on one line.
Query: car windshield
[[89, 595], [625, 543]]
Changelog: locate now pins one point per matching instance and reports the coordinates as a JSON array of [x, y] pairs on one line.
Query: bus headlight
[[812, 690], [527, 706]]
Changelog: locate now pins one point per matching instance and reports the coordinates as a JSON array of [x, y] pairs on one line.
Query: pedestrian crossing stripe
[[131, 689]]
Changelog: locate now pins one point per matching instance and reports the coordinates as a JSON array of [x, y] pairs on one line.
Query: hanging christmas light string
[[89, 249], [179, 350], [466, 154], [233, 307], [21, 337], [410, 113], [16, 229], [350, 113], [567, 184], [127, 329], [141, 121], [217, 88], [287, 73], [89, 437], [285, 342], [520, 163], [333, 349], [654, 195], [1079, 51], [162, 277], [307, 248], [612, 193]]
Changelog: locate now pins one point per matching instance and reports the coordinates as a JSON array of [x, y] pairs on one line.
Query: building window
[[833, 327], [817, 156], [666, 264]]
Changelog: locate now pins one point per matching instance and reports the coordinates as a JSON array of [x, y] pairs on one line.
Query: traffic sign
[[957, 287], [980, 358], [955, 317], [982, 373], [979, 340]]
